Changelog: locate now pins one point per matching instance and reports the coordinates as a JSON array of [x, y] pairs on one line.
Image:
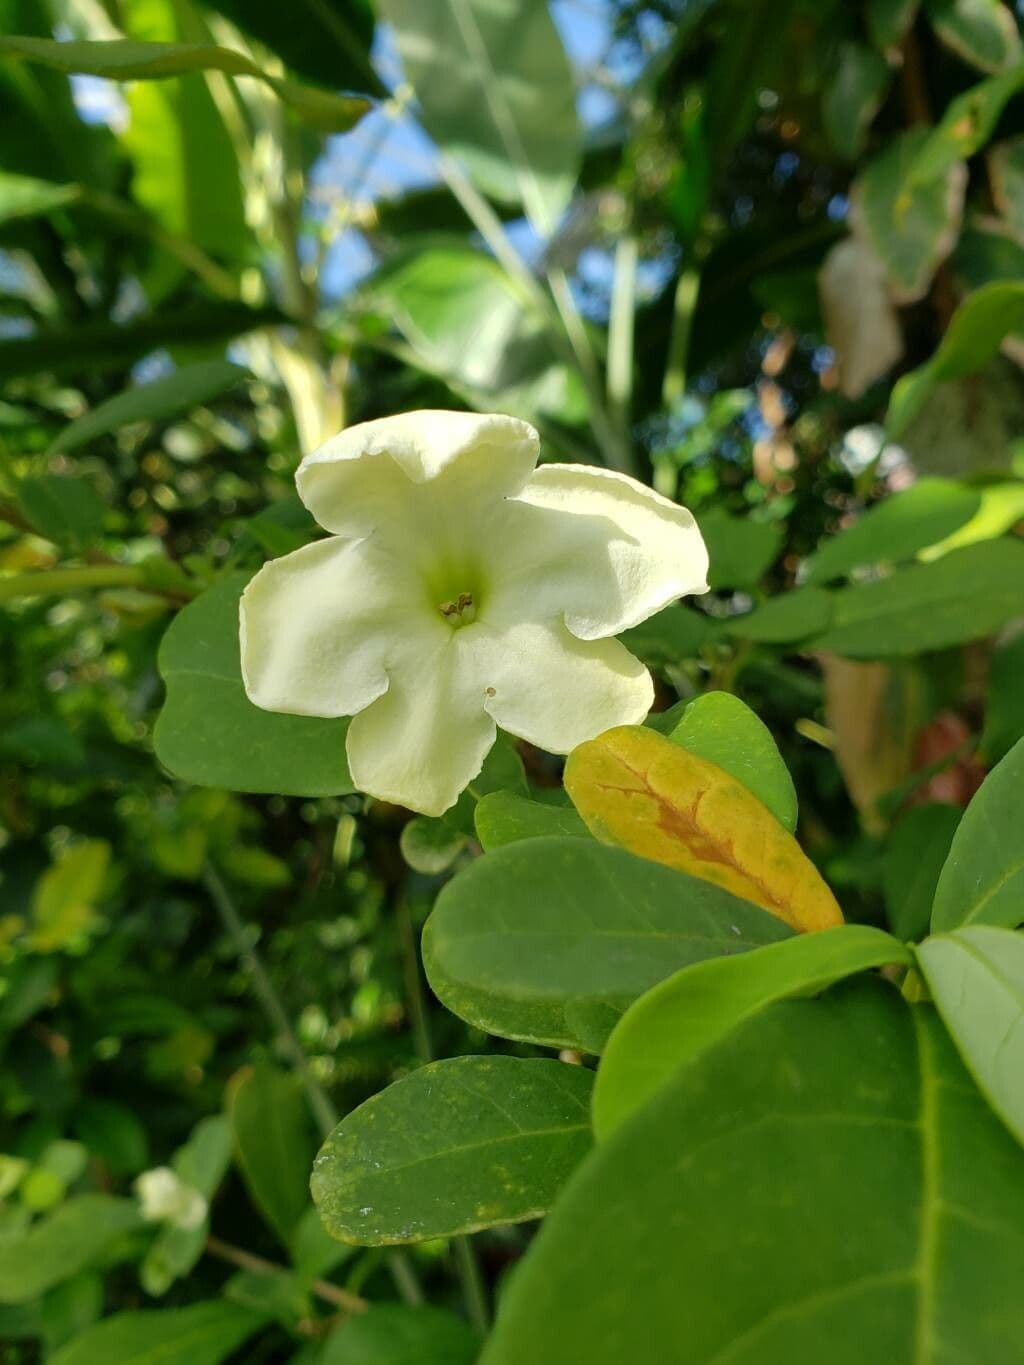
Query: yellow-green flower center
[[460, 610]]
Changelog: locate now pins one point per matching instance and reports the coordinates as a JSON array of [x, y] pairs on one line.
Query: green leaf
[[911, 228], [853, 97], [392, 1334], [203, 1334], [983, 32], [25, 196], [1002, 507], [1006, 174], [123, 59], [965, 127], [113, 1134], [719, 727], [430, 846], [825, 1184], [1004, 708], [895, 529], [963, 596], [470, 325], [783, 620], [741, 551], [457, 1146], [976, 978], [526, 937], [972, 339], [498, 93], [670, 636], [889, 21], [505, 818], [329, 43], [67, 511], [914, 854], [187, 388], [64, 897], [273, 1143], [675, 1022], [210, 733], [982, 881], [76, 1235], [111, 345]]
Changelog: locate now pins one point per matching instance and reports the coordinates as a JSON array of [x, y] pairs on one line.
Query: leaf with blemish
[[638, 790]]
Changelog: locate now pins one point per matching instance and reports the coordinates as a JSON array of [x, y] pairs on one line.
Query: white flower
[[165, 1198], [462, 589]]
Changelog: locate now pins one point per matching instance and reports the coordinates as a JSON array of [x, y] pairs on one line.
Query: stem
[[620, 333], [323, 1110], [684, 307], [257, 1265], [47, 582], [473, 1288]]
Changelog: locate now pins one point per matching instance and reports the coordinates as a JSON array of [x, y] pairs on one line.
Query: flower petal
[[545, 685], [360, 479], [319, 627], [645, 551], [426, 738]]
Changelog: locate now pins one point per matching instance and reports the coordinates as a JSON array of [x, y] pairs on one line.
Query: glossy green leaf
[[203, 1334], [273, 1143], [741, 551], [911, 228], [963, 596], [982, 881], [210, 733], [670, 637], [470, 325], [505, 818], [854, 96], [524, 939], [896, 529], [123, 59], [76, 1235], [783, 620], [1004, 705], [391, 1334], [976, 978], [825, 1184], [110, 345], [915, 851], [498, 93], [974, 336], [457, 1146], [187, 388], [719, 727], [675, 1022], [66, 510], [983, 32]]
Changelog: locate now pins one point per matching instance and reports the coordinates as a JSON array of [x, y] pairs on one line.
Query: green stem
[[51, 582], [620, 333], [684, 307], [473, 1288]]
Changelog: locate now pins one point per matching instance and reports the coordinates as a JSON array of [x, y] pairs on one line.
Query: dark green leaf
[[719, 727], [675, 1022], [825, 1184], [457, 1146], [741, 551], [1004, 711], [982, 881], [890, 20], [524, 938], [963, 596], [203, 1334], [67, 511], [74, 1236], [894, 530], [853, 97], [784, 620], [391, 1334], [273, 1143], [505, 818], [914, 854], [670, 636], [210, 733], [983, 32], [976, 978]]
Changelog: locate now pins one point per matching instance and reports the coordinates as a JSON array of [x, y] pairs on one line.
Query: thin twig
[[257, 1265]]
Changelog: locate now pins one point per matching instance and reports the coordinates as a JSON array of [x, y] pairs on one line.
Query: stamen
[[460, 611]]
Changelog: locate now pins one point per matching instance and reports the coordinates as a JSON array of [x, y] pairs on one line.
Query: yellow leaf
[[640, 791]]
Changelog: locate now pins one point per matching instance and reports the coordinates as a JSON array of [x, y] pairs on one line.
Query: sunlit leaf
[[641, 792]]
